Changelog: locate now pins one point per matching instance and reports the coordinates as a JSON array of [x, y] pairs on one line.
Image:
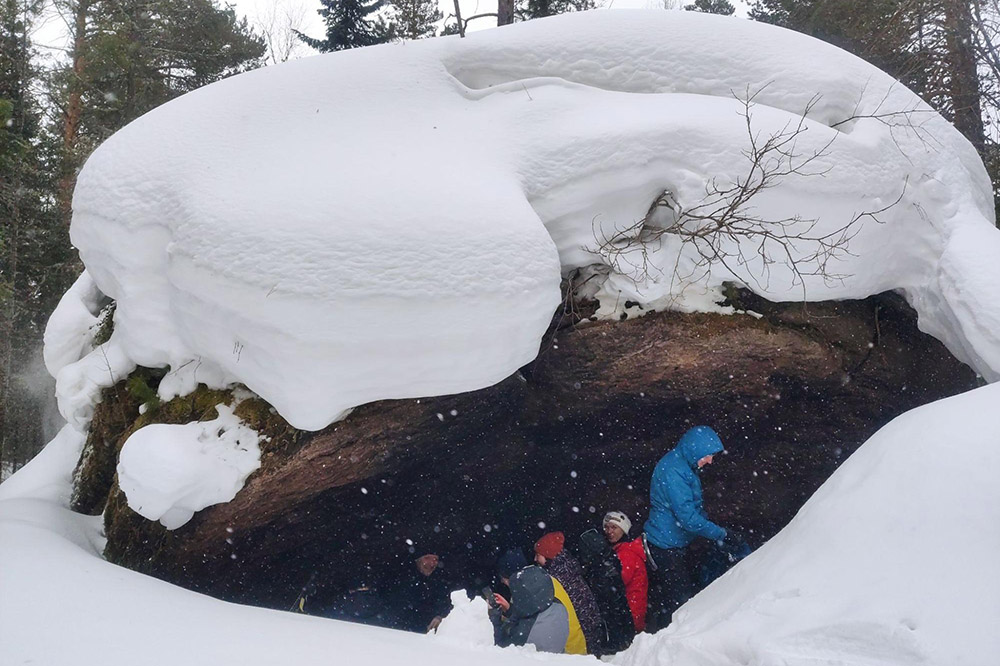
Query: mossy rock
[[95, 471], [117, 416], [105, 324]]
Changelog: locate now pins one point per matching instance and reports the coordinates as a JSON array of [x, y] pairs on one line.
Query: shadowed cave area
[[572, 435]]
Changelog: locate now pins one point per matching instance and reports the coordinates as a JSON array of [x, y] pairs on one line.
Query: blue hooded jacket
[[676, 515]]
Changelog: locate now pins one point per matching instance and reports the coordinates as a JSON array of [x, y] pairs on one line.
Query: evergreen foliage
[[883, 32], [532, 9], [129, 56], [943, 50], [36, 263], [142, 53], [351, 24], [415, 19], [723, 7]]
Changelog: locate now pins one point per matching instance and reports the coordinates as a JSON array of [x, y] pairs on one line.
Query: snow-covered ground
[[394, 221], [892, 562]]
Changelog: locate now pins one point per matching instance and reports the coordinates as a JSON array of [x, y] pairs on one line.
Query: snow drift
[[394, 221]]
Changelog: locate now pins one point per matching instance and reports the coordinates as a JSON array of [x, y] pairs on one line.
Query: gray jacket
[[535, 615], [551, 629]]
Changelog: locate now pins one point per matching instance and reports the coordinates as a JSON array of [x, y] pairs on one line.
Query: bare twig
[[724, 228]]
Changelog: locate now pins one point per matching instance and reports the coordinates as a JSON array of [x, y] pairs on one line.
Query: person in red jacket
[[633, 558]]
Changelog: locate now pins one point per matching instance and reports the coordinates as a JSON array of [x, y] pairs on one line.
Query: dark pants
[[670, 585]]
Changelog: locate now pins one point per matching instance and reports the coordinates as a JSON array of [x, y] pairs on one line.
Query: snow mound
[[49, 475], [170, 472], [393, 222], [468, 624], [892, 561]]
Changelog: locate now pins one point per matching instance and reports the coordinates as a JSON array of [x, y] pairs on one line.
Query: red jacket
[[633, 559]]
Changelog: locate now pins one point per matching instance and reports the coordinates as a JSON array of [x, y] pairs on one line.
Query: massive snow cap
[[393, 222]]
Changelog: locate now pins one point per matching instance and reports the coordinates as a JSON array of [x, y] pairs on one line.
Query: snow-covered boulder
[[394, 221]]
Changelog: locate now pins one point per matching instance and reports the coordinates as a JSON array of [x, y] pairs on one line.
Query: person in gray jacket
[[533, 615]]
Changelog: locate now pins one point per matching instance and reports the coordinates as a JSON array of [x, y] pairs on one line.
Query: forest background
[[126, 57]]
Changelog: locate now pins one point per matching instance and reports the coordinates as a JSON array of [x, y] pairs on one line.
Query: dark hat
[[510, 562]]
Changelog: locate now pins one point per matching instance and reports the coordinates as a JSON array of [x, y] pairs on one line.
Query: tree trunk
[[963, 79], [505, 12], [73, 113]]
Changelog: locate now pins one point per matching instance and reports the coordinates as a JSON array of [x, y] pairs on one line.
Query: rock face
[[571, 436]]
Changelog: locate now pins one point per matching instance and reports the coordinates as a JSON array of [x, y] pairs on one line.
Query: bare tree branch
[[724, 227]]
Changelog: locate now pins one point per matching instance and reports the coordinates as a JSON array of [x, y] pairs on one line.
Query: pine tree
[[532, 9], [940, 49], [350, 24], [36, 260], [723, 7], [415, 19], [130, 56]]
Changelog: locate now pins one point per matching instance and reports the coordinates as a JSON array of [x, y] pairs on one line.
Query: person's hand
[[733, 543], [501, 602], [435, 623]]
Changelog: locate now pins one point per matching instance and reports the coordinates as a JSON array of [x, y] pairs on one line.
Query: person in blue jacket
[[676, 518]]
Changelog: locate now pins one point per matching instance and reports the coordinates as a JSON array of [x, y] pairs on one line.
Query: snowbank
[[393, 222], [892, 562], [169, 472]]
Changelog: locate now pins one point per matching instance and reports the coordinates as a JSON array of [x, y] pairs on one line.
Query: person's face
[[613, 533], [426, 564], [540, 560], [707, 460]]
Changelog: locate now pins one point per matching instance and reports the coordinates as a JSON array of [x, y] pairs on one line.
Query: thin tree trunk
[[964, 79], [74, 112], [505, 12], [458, 19]]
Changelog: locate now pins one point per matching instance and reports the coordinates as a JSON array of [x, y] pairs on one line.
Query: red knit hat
[[550, 545]]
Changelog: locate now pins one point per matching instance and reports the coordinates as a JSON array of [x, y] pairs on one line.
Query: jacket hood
[[531, 592], [698, 442], [593, 547]]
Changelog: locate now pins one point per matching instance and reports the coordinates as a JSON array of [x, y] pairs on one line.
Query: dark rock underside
[[573, 435]]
